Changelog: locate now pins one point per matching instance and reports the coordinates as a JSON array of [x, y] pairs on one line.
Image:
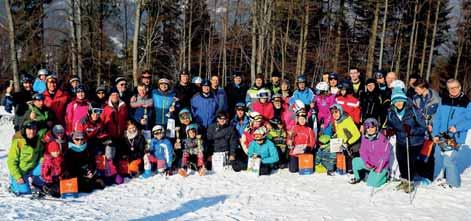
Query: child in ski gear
[[409, 127], [303, 93], [323, 156], [346, 130], [263, 105], [23, 157], [277, 135], [221, 138], [76, 110], [105, 166], [193, 148], [39, 85], [135, 144], [39, 113], [240, 120], [374, 155], [264, 149], [349, 103], [323, 101], [301, 139], [52, 168], [161, 148]]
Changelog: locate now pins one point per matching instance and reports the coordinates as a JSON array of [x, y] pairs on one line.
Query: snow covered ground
[[239, 196]]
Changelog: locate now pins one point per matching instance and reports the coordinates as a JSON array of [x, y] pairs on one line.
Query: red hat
[[53, 147]]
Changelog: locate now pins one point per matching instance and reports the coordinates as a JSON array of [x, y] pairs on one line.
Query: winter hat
[[263, 93], [205, 83], [26, 78], [191, 127], [322, 86], [337, 107], [80, 88], [237, 74], [398, 95], [158, 128], [53, 147], [42, 72], [114, 90], [52, 77], [77, 135], [301, 79], [370, 80], [74, 78], [30, 125], [119, 79], [240, 105], [398, 84], [221, 115], [333, 75], [38, 96], [184, 113], [58, 129], [196, 80], [370, 122], [100, 88], [276, 73], [256, 116], [110, 152], [164, 81], [379, 74]]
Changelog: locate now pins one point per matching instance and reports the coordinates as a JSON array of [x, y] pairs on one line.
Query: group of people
[[65, 130]]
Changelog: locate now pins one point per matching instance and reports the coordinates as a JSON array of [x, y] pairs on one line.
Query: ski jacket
[[347, 130], [184, 94], [222, 138], [372, 106], [427, 105], [92, 130], [306, 96], [134, 148], [204, 109], [39, 86], [351, 106], [375, 152], [266, 151], [190, 146], [240, 125], [78, 162], [453, 112], [138, 111], [221, 99], [24, 155], [52, 167], [265, 109], [412, 119], [76, 111], [57, 103], [302, 135], [162, 103], [235, 94], [162, 150], [114, 119], [323, 103]]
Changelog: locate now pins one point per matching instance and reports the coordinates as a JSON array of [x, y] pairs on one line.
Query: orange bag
[[306, 164], [134, 166], [100, 162], [426, 150], [123, 167], [341, 163], [69, 187]]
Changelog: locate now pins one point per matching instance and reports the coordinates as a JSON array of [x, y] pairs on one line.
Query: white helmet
[[158, 128], [42, 72], [322, 86], [260, 133], [298, 105], [398, 84], [197, 80], [263, 93]]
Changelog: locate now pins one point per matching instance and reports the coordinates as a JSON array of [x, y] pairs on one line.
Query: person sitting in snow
[[325, 158], [193, 147], [162, 149], [52, 167], [134, 146], [301, 139], [264, 149], [106, 169], [375, 151], [23, 157]]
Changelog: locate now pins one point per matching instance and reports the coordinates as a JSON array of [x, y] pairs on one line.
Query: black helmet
[[26, 78]]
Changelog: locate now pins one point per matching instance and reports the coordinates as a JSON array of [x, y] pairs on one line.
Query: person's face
[[257, 124], [60, 135], [38, 103], [333, 82], [302, 86], [159, 135], [237, 80], [51, 85], [399, 105], [325, 78], [390, 77], [277, 103], [27, 85], [454, 89], [42, 77], [420, 90], [121, 86], [370, 87], [184, 78], [284, 87], [142, 91], [214, 81], [335, 114], [371, 130], [263, 100], [354, 75], [55, 154], [30, 133], [191, 134], [302, 121], [95, 116], [145, 80], [412, 81], [100, 94], [221, 120], [259, 82], [132, 128], [185, 121], [163, 87], [78, 141], [205, 89], [80, 95], [240, 112], [74, 84], [114, 97], [275, 80], [380, 80], [343, 92]]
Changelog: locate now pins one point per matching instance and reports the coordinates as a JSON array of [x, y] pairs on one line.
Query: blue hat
[[240, 105], [205, 83], [301, 78], [333, 75], [398, 95], [38, 96], [114, 90]]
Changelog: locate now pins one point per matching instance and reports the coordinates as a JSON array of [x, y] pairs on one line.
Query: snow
[[239, 196]]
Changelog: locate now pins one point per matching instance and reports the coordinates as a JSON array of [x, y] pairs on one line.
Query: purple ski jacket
[[375, 153]]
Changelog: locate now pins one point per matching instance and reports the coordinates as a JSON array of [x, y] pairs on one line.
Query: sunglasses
[[79, 139], [158, 132], [97, 110]]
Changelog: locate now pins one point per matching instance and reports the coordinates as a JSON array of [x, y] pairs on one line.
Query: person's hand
[[89, 174], [452, 129], [312, 105], [429, 128], [436, 140], [232, 158], [133, 99], [171, 109], [32, 115], [178, 145], [20, 181], [9, 89], [143, 121]]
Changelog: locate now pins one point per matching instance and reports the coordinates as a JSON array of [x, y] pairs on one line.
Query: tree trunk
[[383, 31], [78, 28], [458, 59], [73, 36], [432, 46], [398, 61], [372, 42], [411, 41], [190, 36], [135, 43], [424, 48], [11, 40], [306, 27], [253, 60], [285, 42]]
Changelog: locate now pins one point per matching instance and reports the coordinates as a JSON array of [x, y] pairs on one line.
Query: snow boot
[[354, 181], [182, 172], [146, 174]]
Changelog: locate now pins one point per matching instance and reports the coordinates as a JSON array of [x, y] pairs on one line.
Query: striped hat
[[398, 95]]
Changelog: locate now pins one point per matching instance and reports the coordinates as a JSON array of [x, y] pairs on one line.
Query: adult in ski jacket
[[115, 115], [204, 106], [76, 110], [56, 99], [164, 102]]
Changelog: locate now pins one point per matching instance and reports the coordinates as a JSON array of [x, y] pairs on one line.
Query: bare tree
[[11, 38], [372, 42], [383, 31], [432, 46], [135, 44]]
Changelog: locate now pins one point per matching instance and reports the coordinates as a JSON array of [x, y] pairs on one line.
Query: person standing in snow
[[349, 103], [76, 110], [204, 106], [221, 137], [142, 107], [164, 102], [263, 105], [220, 94], [303, 93], [301, 139], [56, 99]]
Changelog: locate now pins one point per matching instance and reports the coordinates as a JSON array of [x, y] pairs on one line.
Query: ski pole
[[408, 162]]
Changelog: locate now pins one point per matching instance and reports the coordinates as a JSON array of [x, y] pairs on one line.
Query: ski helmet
[[322, 86]]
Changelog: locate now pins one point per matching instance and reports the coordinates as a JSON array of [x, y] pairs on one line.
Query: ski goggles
[[258, 137], [97, 111], [157, 132], [30, 125]]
